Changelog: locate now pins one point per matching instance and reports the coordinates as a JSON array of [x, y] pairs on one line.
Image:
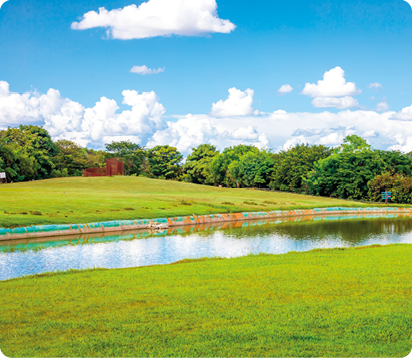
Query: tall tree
[[164, 162], [218, 169], [70, 158], [295, 163], [347, 172], [130, 153], [29, 151], [197, 163]]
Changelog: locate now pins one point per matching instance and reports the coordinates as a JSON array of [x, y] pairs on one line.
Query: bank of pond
[[221, 239]]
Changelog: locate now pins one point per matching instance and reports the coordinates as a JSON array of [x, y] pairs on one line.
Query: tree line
[[353, 170]]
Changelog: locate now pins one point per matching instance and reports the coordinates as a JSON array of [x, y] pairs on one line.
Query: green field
[[82, 200], [334, 303]]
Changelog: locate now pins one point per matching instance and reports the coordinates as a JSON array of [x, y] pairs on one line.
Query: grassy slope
[[342, 302], [82, 200]]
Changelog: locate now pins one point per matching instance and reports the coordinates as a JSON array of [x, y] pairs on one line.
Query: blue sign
[[386, 195]]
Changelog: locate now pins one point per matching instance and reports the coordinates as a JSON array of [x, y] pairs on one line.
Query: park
[[205, 178]]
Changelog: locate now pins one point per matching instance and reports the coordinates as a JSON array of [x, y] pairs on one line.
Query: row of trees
[[353, 170]]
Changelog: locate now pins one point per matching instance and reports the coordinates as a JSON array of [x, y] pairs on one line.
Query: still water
[[142, 248]]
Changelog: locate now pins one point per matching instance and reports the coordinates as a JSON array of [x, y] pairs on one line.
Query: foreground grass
[[82, 200], [335, 303]]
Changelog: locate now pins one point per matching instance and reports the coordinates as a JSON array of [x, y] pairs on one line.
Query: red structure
[[113, 167]]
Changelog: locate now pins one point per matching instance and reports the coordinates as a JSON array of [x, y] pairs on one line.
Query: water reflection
[[141, 248]]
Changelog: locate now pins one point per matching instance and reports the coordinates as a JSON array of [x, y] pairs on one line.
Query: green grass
[[82, 200], [334, 303]]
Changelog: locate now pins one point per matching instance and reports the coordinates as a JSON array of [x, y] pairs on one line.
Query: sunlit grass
[[82, 200], [334, 303]]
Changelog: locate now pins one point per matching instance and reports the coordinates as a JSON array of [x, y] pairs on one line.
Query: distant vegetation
[[353, 170]]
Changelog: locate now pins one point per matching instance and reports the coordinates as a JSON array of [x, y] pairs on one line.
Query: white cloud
[[409, 2], [144, 70], [293, 142], [333, 85], [248, 133], [375, 85], [340, 103], [64, 118], [369, 133], [158, 18], [143, 123], [191, 130], [33, 108], [285, 89], [238, 103], [382, 107], [333, 91], [332, 139], [404, 115]]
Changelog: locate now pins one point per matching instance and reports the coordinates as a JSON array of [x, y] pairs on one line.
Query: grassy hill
[[322, 303], [82, 200]]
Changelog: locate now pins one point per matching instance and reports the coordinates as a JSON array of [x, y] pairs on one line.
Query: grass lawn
[[334, 303], [83, 200]]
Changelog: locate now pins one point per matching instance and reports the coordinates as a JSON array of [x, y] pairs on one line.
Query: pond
[[233, 239]]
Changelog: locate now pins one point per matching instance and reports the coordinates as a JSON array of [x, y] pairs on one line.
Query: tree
[[71, 159], [130, 153], [399, 185], [252, 169], [294, 164], [218, 169], [34, 146], [347, 172], [164, 162], [197, 163], [94, 158]]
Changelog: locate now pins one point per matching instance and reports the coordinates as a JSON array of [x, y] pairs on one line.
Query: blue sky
[[252, 48]]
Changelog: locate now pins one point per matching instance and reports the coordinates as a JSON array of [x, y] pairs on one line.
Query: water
[[142, 248]]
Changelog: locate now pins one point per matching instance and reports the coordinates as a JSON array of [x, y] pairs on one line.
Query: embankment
[[124, 225]]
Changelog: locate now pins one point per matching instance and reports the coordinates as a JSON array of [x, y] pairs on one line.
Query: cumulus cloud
[[238, 103], [144, 70], [144, 123], [333, 85], [375, 86], [333, 91], [192, 130], [158, 18], [293, 142], [340, 103], [33, 108], [285, 89], [64, 118], [404, 115], [332, 139]]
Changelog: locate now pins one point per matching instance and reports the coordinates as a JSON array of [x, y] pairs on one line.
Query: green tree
[[197, 163], [95, 158], [218, 169], [164, 162], [347, 172], [294, 164], [35, 147], [70, 160], [252, 169], [133, 155]]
